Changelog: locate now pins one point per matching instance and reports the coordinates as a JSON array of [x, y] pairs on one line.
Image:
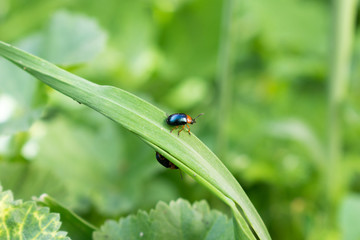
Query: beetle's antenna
[[198, 115]]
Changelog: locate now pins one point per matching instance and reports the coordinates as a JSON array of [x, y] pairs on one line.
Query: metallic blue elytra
[[178, 119]]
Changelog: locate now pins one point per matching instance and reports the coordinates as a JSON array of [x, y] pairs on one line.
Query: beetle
[[165, 162], [178, 119]]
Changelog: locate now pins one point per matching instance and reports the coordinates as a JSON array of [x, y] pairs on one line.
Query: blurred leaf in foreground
[[20, 220], [178, 220], [349, 217]]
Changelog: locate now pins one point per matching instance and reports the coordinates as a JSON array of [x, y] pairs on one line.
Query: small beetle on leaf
[[166, 163], [178, 119]]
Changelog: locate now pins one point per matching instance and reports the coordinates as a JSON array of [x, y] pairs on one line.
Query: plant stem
[[224, 79], [342, 34]]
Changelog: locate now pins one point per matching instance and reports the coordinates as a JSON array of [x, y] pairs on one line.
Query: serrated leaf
[[20, 220], [148, 122], [76, 227], [178, 220]]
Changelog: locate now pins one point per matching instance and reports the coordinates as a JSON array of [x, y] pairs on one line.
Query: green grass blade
[[148, 122], [343, 28]]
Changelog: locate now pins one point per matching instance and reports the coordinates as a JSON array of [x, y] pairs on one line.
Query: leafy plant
[[26, 220], [258, 69], [76, 227], [147, 121], [178, 220]]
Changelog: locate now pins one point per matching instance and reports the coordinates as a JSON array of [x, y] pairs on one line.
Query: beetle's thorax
[[189, 119]]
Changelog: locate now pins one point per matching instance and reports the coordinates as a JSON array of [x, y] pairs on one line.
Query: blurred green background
[[258, 69]]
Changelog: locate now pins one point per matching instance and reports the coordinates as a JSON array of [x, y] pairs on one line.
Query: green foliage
[[349, 216], [191, 155], [167, 52], [20, 220], [178, 220], [30, 180], [24, 97], [28, 97], [76, 227], [84, 39]]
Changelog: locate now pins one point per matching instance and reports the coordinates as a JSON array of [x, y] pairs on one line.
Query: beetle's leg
[[181, 130], [188, 129], [173, 129]]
